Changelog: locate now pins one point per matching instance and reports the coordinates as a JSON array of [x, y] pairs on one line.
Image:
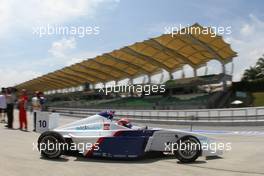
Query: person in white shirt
[[36, 106]]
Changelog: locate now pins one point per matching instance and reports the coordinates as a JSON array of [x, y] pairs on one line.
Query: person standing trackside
[[42, 101], [10, 100], [22, 105], [36, 106], [2, 105]]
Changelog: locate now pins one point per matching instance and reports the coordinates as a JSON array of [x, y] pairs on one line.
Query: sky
[[112, 24]]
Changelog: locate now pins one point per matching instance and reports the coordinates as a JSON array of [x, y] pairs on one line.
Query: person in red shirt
[[22, 105]]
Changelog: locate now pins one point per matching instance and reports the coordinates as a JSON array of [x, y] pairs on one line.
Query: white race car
[[101, 136]]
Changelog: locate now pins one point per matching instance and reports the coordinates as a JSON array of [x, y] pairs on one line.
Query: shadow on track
[[149, 158]]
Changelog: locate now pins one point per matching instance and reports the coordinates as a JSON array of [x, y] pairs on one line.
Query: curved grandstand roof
[[141, 58]]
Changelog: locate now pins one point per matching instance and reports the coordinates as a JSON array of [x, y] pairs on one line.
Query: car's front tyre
[[51, 144]]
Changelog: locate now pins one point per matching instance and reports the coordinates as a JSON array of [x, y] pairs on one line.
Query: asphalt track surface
[[17, 157]]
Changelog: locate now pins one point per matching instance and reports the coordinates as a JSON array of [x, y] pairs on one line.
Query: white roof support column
[[162, 78], [170, 75], [232, 68], [183, 74], [194, 72], [223, 68], [149, 79], [131, 81], [224, 78], [92, 86], [206, 69]]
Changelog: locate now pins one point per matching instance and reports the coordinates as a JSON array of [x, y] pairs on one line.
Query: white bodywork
[[90, 129]]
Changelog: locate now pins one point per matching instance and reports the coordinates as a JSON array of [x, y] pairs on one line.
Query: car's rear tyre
[[189, 149], [51, 144]]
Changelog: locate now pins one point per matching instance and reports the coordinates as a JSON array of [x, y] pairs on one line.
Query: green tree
[[256, 72]]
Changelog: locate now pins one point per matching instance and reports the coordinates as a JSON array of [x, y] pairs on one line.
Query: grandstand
[[155, 102], [165, 53], [188, 93]]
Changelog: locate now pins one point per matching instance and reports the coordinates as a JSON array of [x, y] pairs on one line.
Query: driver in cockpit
[[124, 122]]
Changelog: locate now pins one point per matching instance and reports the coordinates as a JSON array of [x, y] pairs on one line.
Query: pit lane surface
[[17, 157]]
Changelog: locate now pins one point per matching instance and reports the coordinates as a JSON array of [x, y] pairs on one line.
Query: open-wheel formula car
[[101, 136]]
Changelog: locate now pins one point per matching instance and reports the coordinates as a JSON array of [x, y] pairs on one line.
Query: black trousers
[[34, 121], [10, 115]]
